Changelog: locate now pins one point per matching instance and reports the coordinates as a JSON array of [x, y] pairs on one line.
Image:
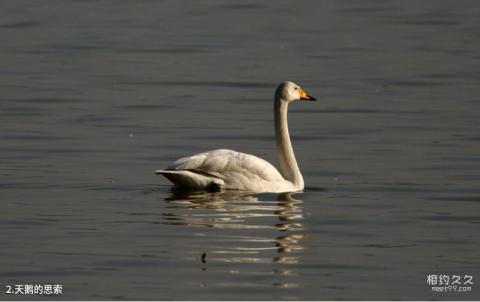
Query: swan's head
[[289, 92]]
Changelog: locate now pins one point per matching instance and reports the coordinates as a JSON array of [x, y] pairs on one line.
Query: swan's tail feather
[[162, 171], [192, 179]]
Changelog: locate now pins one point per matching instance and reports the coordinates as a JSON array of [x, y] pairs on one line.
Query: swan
[[224, 169]]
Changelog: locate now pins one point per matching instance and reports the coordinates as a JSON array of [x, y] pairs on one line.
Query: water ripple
[[242, 212]]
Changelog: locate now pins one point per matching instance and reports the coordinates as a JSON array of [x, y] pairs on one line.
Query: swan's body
[[228, 169]]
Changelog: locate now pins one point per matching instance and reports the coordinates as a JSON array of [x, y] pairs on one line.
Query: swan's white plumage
[[228, 169], [224, 160]]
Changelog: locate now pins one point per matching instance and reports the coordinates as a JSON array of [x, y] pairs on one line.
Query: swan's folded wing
[[224, 163]]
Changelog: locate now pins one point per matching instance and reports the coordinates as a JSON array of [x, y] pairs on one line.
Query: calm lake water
[[96, 95]]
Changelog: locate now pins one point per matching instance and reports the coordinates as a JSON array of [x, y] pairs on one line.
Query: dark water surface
[[96, 95]]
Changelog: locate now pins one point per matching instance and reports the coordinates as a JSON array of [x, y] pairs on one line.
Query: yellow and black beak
[[305, 97]]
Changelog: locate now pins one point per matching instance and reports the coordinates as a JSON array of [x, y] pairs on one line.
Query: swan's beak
[[305, 97]]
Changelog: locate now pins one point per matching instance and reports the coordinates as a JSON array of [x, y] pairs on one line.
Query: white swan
[[231, 170]]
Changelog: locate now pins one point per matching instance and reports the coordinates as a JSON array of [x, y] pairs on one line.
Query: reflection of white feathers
[[228, 169]]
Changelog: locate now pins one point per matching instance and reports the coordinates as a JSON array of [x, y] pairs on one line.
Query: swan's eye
[[296, 88]]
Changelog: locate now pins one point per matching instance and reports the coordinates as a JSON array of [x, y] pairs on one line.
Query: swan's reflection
[[263, 229]]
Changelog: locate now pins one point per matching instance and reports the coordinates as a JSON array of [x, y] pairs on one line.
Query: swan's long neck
[[286, 157]]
